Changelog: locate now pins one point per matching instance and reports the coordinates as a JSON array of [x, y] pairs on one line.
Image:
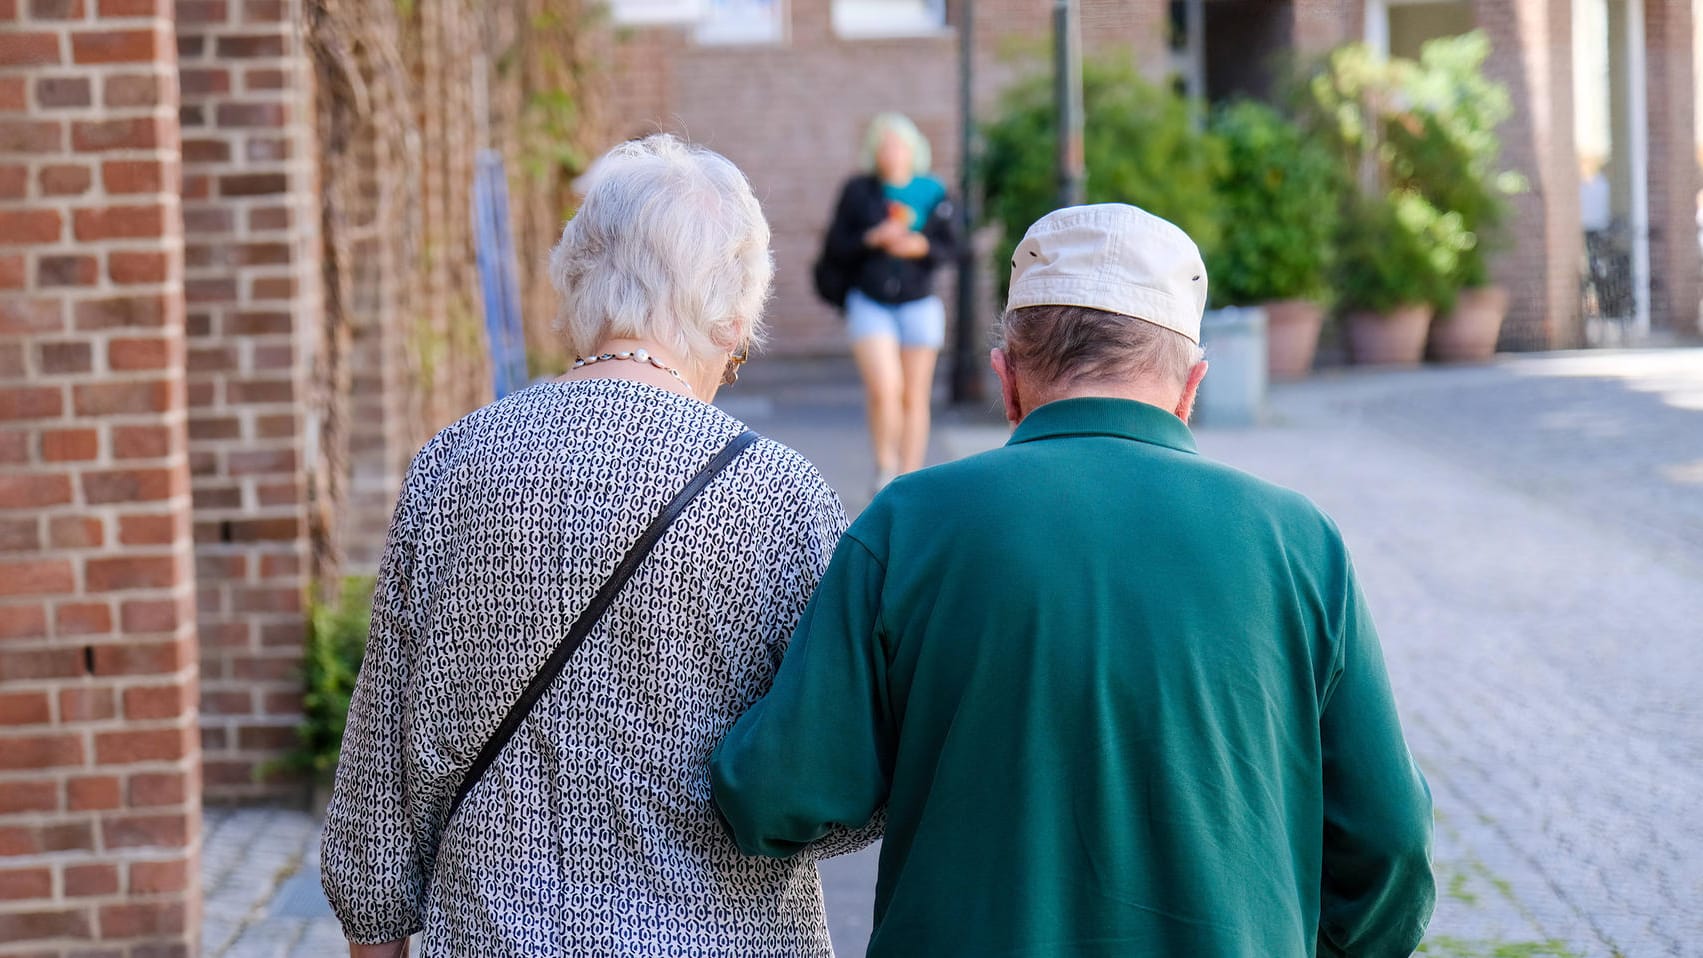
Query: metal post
[[1067, 85], [967, 374], [1194, 35]]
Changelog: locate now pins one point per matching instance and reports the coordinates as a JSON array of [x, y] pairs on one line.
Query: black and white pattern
[[593, 834]]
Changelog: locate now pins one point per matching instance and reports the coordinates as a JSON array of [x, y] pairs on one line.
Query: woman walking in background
[[522, 529], [892, 230]]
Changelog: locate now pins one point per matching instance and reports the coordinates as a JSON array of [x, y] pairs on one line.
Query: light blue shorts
[[920, 322]]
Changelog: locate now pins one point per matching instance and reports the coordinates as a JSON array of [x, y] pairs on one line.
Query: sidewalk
[[1530, 536]]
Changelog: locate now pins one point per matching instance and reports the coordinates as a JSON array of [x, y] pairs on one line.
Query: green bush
[[1141, 146], [336, 641], [1278, 199], [1444, 144], [1337, 100], [1398, 250], [1426, 128]]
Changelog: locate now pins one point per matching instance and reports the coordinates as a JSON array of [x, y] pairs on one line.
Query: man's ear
[[1185, 405], [1007, 385]]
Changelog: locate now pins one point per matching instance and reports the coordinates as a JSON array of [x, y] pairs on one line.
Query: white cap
[[1112, 257]]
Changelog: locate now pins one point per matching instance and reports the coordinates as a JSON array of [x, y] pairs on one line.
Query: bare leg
[[878, 362], [917, 363]]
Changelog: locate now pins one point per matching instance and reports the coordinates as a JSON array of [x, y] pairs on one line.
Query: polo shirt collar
[[1100, 416]]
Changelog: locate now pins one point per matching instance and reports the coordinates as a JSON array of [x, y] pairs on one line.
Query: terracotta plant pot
[[1292, 336], [1396, 338], [1468, 333]]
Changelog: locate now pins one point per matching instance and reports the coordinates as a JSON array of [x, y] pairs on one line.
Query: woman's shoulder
[[786, 472], [551, 412], [861, 184]]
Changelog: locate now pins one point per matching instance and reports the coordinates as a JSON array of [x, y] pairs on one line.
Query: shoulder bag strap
[[552, 667]]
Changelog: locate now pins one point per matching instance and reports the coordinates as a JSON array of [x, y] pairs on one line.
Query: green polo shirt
[[1117, 699]]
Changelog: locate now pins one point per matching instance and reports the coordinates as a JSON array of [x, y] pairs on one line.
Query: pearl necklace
[[637, 356]]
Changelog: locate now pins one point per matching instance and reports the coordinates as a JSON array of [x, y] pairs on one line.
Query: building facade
[[164, 344], [785, 90]]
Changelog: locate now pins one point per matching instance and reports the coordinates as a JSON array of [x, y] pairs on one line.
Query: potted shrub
[[1396, 256], [1444, 146], [1140, 146], [1279, 193]]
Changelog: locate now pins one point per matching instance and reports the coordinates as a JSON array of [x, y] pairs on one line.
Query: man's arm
[[1378, 890], [815, 754]]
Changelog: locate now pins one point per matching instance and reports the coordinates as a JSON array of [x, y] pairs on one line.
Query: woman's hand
[[884, 234], [909, 246], [389, 949]]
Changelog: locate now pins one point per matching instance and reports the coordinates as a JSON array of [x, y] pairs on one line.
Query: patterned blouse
[[593, 834]]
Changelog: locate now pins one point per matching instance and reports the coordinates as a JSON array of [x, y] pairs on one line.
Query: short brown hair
[[1079, 344]]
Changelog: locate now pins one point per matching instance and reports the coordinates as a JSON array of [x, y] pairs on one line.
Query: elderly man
[[1118, 699]]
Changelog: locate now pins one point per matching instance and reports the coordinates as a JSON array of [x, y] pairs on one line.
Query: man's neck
[[1160, 398]]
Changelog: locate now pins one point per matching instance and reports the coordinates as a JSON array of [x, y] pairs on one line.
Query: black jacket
[[884, 278]]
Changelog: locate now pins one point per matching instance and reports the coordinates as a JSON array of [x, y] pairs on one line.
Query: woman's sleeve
[[812, 530], [368, 862], [942, 232], [811, 551], [845, 233]]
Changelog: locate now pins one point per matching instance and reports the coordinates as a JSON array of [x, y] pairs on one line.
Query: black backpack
[[832, 278]]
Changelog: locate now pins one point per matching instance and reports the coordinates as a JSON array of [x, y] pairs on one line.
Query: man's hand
[[389, 949]]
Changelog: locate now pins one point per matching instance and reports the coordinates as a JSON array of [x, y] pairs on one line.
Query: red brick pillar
[[1320, 26], [99, 784], [1672, 85], [252, 284], [1531, 52]]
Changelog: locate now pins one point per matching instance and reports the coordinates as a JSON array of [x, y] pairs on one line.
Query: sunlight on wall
[[1591, 82]]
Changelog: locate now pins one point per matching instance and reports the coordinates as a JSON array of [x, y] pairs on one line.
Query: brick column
[[99, 784], [1672, 85], [252, 284], [1317, 27], [1531, 52]]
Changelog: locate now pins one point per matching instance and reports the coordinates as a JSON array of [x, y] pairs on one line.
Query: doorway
[[1612, 137]]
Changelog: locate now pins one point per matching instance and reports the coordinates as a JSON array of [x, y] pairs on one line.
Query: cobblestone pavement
[[260, 879], [1530, 537]]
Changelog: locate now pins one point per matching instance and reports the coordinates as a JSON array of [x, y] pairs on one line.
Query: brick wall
[[1318, 26], [253, 290], [99, 796], [792, 115], [1672, 85], [1532, 54]]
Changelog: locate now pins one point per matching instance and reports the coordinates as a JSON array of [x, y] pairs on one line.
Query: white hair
[[670, 245], [900, 125], [1080, 344]]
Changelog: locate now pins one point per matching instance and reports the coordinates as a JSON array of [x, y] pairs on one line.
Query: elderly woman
[[892, 230], [580, 823]]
